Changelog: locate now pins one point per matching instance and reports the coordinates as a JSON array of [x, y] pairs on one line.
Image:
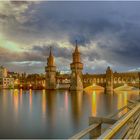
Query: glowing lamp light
[[16, 81], [94, 85]]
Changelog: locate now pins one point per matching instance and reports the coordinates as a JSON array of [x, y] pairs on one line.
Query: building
[[3, 72], [6, 81]]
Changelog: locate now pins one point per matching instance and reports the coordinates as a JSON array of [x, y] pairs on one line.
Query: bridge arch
[[94, 87], [126, 87]]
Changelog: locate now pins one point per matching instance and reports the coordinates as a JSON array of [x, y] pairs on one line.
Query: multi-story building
[[3, 72], [6, 81]]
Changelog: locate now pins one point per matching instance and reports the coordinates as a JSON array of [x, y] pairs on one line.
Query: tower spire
[[50, 50], [50, 71], [76, 42], [76, 48], [51, 58]]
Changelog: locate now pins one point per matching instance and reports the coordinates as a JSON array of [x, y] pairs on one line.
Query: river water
[[54, 114]]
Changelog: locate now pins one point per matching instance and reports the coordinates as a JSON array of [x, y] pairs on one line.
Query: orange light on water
[[20, 96], [15, 97], [122, 101], [66, 101], [94, 104], [30, 98], [43, 102]]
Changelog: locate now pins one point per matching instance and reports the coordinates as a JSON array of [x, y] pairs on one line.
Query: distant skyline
[[108, 34]]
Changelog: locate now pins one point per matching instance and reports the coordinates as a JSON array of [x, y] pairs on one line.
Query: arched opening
[[126, 87], [115, 80], [119, 80], [93, 87]]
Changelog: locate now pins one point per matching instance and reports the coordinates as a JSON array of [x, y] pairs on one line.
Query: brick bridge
[[114, 80], [109, 79], [77, 80]]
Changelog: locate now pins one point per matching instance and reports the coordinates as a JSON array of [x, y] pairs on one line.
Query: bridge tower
[[76, 66], [50, 72], [109, 81]]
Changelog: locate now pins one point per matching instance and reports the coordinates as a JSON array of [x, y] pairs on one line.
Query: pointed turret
[[109, 69], [76, 48], [50, 59], [76, 54], [76, 68], [50, 51], [50, 72]]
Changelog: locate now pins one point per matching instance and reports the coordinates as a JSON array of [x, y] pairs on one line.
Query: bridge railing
[[127, 126]]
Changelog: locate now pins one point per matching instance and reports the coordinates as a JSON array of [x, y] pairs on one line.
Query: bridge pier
[[50, 73], [76, 66], [109, 81]]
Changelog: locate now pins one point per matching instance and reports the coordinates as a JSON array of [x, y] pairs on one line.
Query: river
[[54, 114]]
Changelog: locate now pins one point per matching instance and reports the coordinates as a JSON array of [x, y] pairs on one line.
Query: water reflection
[[94, 103], [44, 103], [76, 106], [20, 98], [122, 100], [15, 98], [108, 100], [4, 100], [54, 114], [51, 108], [66, 101], [30, 99]]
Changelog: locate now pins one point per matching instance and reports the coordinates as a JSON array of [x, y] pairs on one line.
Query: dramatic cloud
[[108, 33], [15, 10]]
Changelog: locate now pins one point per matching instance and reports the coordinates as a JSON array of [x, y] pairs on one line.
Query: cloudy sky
[[108, 33]]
